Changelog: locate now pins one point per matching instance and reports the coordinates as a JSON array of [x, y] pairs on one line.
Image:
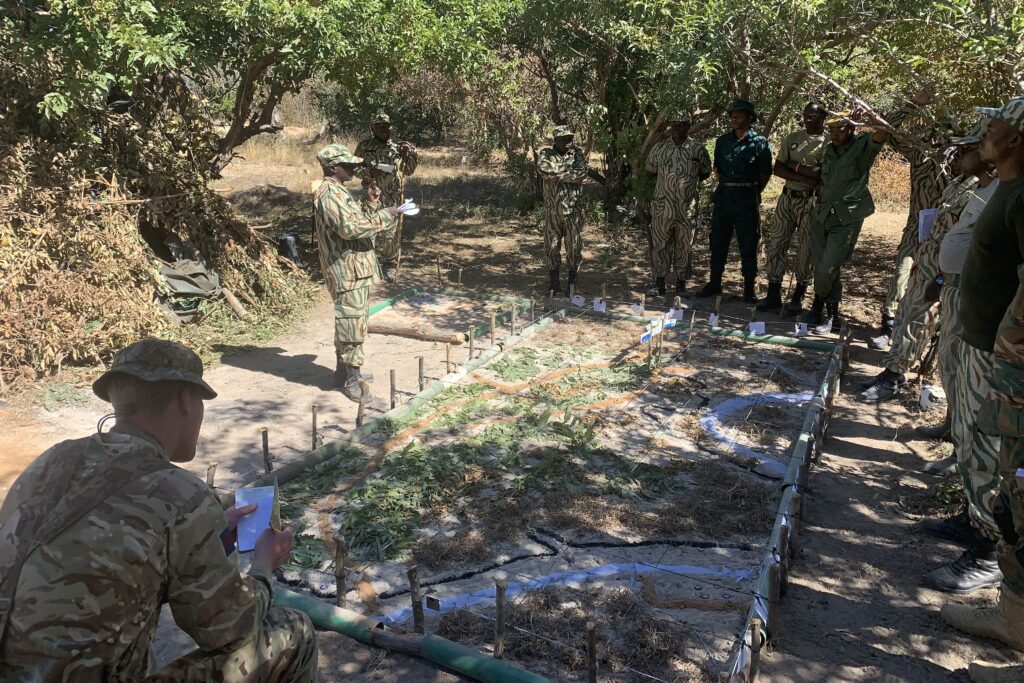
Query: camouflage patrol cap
[[1012, 112], [681, 116], [562, 132], [332, 155], [155, 360], [971, 138], [380, 117]]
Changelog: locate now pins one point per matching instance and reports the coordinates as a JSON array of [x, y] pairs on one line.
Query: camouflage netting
[[83, 219]]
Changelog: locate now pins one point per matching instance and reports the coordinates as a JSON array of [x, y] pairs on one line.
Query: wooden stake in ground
[[235, 305], [459, 283], [755, 648], [472, 335], [394, 389], [797, 521], [340, 558], [591, 652], [551, 299], [718, 304], [312, 446], [499, 618], [604, 292], [533, 311], [689, 332], [643, 303], [268, 465], [422, 373], [783, 559], [774, 576], [364, 390], [211, 472], [572, 291], [440, 282], [417, 599], [494, 326], [513, 318]]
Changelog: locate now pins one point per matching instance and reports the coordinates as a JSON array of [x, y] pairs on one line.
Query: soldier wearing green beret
[[344, 232], [98, 533], [380, 150], [562, 168]]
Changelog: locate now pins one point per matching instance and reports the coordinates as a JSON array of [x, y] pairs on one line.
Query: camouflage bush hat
[[562, 132], [380, 117], [155, 360], [680, 116], [971, 138], [744, 105], [332, 155], [1012, 112]]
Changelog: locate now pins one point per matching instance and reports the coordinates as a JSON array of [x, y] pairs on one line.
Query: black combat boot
[[348, 378], [712, 288], [749, 290], [956, 528], [570, 281], [658, 288], [796, 302], [886, 385], [884, 339], [773, 301], [830, 321], [940, 432], [976, 568], [816, 314], [554, 283], [680, 287], [390, 271]]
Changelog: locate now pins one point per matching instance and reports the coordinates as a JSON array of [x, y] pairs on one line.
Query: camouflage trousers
[[792, 219], [949, 304], [832, 244], [559, 227], [388, 244], [977, 454], [1009, 507], [283, 650], [904, 264], [916, 322], [672, 236], [351, 312]]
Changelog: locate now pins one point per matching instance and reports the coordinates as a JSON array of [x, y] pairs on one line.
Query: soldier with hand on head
[[743, 164], [380, 149], [799, 164], [680, 164], [99, 532], [562, 169], [344, 232]]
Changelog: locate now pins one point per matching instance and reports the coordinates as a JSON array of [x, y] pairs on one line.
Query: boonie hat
[[1012, 112], [155, 360], [745, 105], [380, 117], [971, 138], [680, 115], [332, 155], [562, 131]]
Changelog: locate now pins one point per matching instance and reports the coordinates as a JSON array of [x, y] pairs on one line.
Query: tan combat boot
[[1003, 622], [984, 672]]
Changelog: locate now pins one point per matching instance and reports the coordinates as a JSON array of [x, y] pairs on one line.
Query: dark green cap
[[155, 360], [743, 104]]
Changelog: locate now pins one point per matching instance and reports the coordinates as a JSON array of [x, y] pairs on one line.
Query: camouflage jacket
[[1003, 411], [568, 171], [86, 603], [374, 151], [928, 176], [679, 169], [344, 231], [951, 206]]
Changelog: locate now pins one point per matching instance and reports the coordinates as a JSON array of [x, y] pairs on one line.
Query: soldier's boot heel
[[554, 282], [990, 672], [773, 301], [815, 316], [712, 288], [796, 302], [1003, 622], [355, 386]]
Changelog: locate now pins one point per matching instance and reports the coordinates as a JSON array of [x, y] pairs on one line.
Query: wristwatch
[[940, 280]]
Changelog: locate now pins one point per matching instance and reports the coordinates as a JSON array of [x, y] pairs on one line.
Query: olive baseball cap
[[155, 360], [1012, 112], [841, 119], [562, 131], [332, 155]]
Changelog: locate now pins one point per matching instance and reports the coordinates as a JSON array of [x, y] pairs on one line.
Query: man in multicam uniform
[[997, 249], [799, 164], [918, 315], [562, 168], [344, 233], [680, 163], [381, 149], [99, 532]]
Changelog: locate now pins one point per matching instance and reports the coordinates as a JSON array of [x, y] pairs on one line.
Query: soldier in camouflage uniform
[[381, 149], [344, 234], [562, 169], [799, 164], [680, 164], [998, 244], [99, 532]]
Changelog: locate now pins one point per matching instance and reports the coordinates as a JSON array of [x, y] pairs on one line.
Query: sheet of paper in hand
[[409, 208], [387, 168], [925, 223], [250, 528]]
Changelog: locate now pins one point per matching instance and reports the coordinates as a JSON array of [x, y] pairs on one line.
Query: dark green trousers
[[832, 246]]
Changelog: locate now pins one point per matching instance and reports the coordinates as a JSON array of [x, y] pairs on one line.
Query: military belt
[[738, 184], [797, 194]]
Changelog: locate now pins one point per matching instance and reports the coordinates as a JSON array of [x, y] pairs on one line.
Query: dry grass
[[890, 181]]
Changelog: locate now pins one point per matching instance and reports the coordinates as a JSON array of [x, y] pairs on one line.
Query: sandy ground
[[854, 610]]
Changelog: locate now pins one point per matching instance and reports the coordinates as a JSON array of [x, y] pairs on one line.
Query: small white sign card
[[637, 309], [925, 223], [599, 305], [713, 320], [756, 327], [800, 329], [578, 300], [250, 528], [677, 314]]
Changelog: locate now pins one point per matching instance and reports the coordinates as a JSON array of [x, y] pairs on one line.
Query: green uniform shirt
[[800, 147], [989, 278], [844, 180], [743, 160], [373, 152], [344, 231]]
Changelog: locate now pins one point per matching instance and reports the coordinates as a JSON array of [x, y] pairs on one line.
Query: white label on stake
[[637, 309], [756, 327], [599, 305], [713, 320], [577, 300], [800, 329], [677, 313]]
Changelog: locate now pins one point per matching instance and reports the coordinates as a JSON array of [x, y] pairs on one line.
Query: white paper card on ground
[[600, 306], [756, 327], [677, 313], [925, 223], [668, 322], [800, 329], [387, 168], [1020, 472], [932, 396], [713, 320], [250, 528], [578, 300], [637, 309]]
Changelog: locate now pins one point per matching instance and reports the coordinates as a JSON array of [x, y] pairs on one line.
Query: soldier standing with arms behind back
[[743, 164], [344, 232], [799, 164], [680, 164], [562, 168], [381, 149], [98, 533]]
